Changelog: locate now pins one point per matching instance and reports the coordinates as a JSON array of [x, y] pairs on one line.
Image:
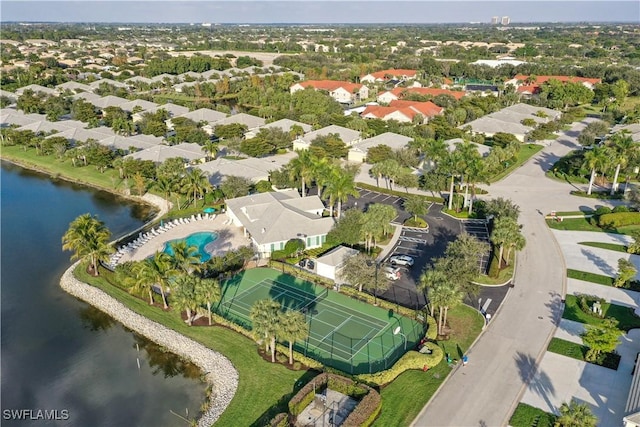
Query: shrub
[[620, 208], [494, 267], [602, 210], [410, 360], [585, 302], [279, 255], [619, 219], [432, 328], [280, 420], [263, 187], [294, 246]]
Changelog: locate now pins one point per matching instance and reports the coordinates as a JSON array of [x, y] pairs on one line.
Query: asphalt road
[[486, 391]]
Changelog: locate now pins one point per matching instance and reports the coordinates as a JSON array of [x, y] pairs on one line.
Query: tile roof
[[564, 79], [331, 85], [399, 72]]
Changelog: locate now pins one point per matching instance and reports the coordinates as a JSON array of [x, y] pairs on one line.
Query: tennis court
[[343, 333]]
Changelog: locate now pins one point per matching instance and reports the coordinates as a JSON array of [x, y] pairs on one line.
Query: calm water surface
[[60, 353]]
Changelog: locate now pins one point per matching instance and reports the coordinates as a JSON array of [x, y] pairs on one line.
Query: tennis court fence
[[377, 354]]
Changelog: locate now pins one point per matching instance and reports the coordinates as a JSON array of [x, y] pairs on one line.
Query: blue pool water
[[199, 240]]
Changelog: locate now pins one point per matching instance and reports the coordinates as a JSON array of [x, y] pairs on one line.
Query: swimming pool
[[199, 240]]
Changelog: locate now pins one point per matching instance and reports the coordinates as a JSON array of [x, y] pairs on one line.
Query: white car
[[405, 260], [391, 273]]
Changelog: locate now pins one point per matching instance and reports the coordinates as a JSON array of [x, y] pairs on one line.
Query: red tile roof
[[564, 79], [331, 85], [399, 92], [392, 72], [408, 108], [532, 89]]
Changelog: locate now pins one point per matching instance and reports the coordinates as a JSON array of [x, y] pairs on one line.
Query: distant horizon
[[263, 12]]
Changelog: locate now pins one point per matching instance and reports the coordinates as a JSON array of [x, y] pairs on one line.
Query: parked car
[[303, 262], [310, 264], [391, 272], [405, 260]]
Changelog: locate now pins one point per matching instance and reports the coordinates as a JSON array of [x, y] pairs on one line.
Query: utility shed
[[332, 262]]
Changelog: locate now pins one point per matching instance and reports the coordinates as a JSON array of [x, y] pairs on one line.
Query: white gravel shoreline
[[218, 370]]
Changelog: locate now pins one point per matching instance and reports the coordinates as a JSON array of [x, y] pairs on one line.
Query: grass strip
[[608, 246], [579, 352], [600, 279], [625, 316], [530, 416], [397, 408], [525, 153]]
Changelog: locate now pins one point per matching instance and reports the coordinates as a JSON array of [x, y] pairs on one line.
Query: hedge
[[432, 328], [410, 360], [362, 415], [280, 420], [619, 219]]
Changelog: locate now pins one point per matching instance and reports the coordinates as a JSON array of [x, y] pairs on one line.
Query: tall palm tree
[[292, 327], [416, 206], [434, 150], [468, 160], [449, 165], [183, 295], [196, 182], [211, 148], [301, 168], [185, 258], [624, 148], [164, 185], [321, 170], [444, 295], [88, 238], [576, 414], [158, 270], [377, 170], [596, 159], [208, 292], [140, 284], [264, 316], [339, 188]]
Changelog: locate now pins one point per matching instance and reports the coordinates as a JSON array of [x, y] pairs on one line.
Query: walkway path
[[505, 357]]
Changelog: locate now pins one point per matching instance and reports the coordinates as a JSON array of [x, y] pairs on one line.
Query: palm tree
[[449, 166], [158, 270], [164, 185], [339, 188], [434, 150], [185, 258], [377, 170], [595, 159], [321, 170], [208, 292], [88, 238], [140, 284], [301, 168], [195, 181], [211, 148], [444, 295], [264, 316], [183, 295], [624, 148], [576, 414], [468, 162], [292, 327], [504, 231], [415, 206]]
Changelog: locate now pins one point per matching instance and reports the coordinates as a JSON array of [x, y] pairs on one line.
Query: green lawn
[[504, 275], [573, 224], [579, 352], [608, 246], [599, 279], [85, 174], [526, 152], [529, 416], [262, 385], [403, 399], [571, 213], [624, 315]]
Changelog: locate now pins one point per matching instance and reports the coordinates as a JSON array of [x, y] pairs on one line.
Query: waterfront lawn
[[529, 416], [579, 352], [624, 315], [262, 385], [404, 398], [108, 179], [608, 246]]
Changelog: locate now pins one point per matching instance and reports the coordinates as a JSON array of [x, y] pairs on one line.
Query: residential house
[[386, 75], [95, 85], [400, 92], [272, 219], [173, 110], [530, 85], [402, 111], [348, 136], [342, 92], [251, 122], [73, 87], [358, 152], [140, 103], [191, 153], [284, 124], [202, 115], [37, 89], [253, 169]]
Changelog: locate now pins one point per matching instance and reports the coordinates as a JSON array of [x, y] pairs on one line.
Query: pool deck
[[229, 238]]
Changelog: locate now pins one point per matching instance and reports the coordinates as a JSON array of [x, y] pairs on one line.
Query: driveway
[[506, 356]]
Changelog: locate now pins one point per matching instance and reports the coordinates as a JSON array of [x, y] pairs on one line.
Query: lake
[[59, 353]]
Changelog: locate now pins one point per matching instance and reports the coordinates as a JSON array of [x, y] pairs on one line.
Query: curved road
[[486, 390]]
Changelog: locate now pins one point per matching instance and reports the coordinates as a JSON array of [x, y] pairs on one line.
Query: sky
[[319, 12]]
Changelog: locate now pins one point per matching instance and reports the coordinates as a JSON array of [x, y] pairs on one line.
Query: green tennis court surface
[[343, 333]]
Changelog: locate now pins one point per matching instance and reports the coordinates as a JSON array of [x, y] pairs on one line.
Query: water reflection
[[163, 362], [94, 319]]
